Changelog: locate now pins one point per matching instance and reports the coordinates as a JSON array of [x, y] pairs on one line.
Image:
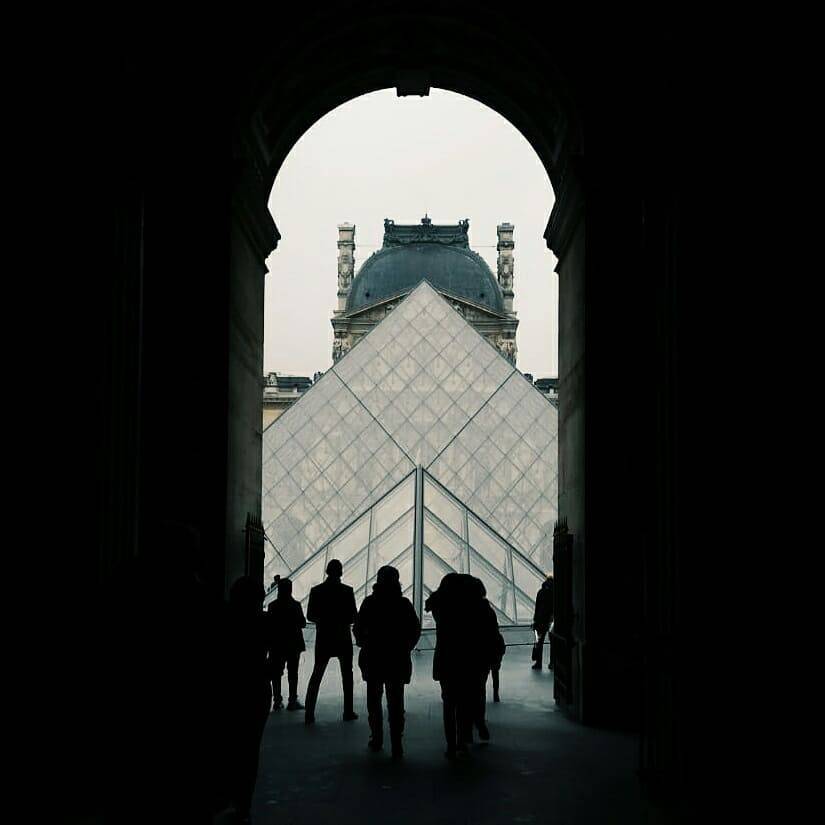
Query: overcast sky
[[381, 156]]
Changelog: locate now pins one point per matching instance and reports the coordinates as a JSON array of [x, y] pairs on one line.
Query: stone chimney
[[346, 263], [505, 263]]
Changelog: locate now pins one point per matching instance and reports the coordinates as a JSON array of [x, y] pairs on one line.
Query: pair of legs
[[395, 712], [290, 661], [540, 648], [460, 703], [322, 658]]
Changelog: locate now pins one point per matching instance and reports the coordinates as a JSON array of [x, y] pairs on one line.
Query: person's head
[[448, 581], [246, 595], [285, 589], [335, 569], [387, 581], [548, 582]]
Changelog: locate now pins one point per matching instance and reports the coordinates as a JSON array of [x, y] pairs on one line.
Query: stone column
[[505, 263], [346, 262]]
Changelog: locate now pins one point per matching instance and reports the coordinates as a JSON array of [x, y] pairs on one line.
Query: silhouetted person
[[285, 620], [248, 692], [493, 648], [332, 608], [386, 630], [460, 660], [542, 619]]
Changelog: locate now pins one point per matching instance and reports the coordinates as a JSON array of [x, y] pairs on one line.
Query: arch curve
[[335, 61]]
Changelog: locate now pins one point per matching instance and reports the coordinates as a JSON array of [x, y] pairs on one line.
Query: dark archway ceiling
[[320, 61]]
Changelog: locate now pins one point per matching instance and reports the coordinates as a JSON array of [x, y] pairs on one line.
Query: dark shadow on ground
[[538, 768]]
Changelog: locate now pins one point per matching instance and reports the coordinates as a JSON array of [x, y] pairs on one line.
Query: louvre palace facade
[[439, 254]]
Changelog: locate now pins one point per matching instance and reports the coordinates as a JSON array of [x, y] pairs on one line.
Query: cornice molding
[[249, 198], [568, 210]]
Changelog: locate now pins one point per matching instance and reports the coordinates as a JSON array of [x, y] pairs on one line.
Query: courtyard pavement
[[539, 766]]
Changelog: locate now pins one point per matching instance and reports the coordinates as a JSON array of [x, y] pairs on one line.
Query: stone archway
[[198, 130], [438, 50]]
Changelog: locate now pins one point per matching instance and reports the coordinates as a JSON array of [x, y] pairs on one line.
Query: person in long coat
[[387, 629], [461, 655], [332, 608], [286, 644]]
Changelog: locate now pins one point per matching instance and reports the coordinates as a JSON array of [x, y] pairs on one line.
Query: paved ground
[[538, 768]]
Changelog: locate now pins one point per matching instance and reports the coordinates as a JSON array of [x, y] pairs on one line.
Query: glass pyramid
[[422, 389]]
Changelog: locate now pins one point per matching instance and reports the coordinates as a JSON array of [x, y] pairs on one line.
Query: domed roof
[[450, 268]]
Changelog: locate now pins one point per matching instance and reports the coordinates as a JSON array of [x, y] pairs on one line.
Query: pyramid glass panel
[[423, 388], [477, 550]]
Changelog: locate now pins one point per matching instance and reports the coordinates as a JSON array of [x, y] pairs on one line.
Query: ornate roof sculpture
[[426, 232], [423, 388], [439, 254]]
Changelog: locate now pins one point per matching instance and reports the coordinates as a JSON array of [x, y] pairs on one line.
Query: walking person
[[386, 630], [286, 644], [542, 619], [332, 608], [493, 649], [459, 660]]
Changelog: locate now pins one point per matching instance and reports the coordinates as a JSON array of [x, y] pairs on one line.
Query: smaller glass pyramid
[[452, 540]]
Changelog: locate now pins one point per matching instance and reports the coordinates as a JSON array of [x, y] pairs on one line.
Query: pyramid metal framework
[[423, 448]]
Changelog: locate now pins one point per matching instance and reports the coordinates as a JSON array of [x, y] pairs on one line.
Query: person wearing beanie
[[387, 629]]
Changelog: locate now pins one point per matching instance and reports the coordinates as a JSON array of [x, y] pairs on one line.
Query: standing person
[[246, 682], [542, 619], [493, 649], [286, 644], [332, 608], [459, 661], [386, 630]]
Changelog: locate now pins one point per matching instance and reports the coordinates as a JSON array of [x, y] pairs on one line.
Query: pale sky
[[380, 156]]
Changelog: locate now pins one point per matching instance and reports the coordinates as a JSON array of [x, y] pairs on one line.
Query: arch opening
[[445, 153]]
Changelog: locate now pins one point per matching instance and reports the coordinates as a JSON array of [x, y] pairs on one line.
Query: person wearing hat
[[387, 629], [332, 608]]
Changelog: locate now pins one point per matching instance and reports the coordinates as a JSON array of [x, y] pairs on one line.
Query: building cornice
[[568, 210], [355, 313]]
